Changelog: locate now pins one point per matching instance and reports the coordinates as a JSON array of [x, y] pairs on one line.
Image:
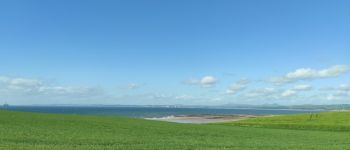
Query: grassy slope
[[44, 131], [332, 121]]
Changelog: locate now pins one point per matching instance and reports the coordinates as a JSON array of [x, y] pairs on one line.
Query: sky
[[183, 52]]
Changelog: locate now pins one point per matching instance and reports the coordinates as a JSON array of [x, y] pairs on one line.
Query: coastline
[[203, 119]]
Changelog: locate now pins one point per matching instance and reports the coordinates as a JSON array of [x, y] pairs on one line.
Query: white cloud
[[132, 86], [338, 97], [339, 89], [238, 86], [332, 97], [26, 89], [288, 93], [264, 93], [184, 97], [302, 87], [310, 74], [339, 94], [206, 82], [68, 91], [344, 87], [18, 84], [163, 99], [296, 89], [298, 94], [343, 91]]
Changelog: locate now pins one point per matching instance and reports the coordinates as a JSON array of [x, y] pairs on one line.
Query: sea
[[154, 112]]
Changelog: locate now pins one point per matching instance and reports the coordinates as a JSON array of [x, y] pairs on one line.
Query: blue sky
[[191, 52]]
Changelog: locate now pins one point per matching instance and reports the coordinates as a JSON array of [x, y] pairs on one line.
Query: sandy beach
[[203, 119]]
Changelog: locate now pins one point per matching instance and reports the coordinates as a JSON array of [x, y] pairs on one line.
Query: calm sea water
[[148, 112]]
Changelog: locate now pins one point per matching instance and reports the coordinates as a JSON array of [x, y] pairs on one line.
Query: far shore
[[204, 119]]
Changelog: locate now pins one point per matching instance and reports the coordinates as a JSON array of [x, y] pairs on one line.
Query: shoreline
[[203, 119]]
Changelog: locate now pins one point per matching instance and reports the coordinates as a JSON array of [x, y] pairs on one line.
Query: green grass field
[[330, 121], [20, 130]]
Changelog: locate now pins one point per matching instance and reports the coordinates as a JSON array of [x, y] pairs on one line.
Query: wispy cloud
[[341, 92], [20, 84], [261, 93], [24, 89], [238, 86], [288, 93], [302, 87], [310, 74], [133, 86], [205, 82]]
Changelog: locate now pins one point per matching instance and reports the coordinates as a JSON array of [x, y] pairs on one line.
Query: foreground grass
[[331, 121], [44, 131]]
